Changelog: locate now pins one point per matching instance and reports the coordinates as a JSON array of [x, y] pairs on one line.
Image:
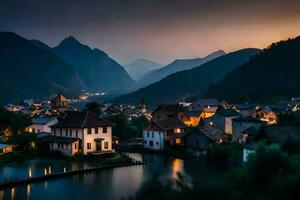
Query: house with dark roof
[[164, 134], [240, 124], [208, 106], [201, 139], [80, 132], [166, 111], [223, 119], [246, 109]]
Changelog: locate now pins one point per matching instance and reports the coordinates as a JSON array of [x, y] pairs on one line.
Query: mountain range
[[270, 76], [190, 82], [176, 66], [140, 67], [28, 71], [31, 69]]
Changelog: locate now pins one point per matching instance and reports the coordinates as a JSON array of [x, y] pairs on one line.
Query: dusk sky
[[160, 30]]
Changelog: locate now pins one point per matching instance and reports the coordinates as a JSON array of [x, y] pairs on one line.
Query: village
[[187, 127]]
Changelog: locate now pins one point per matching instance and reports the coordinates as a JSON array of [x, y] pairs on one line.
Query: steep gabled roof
[[74, 119], [59, 97], [171, 109], [165, 124], [213, 133]]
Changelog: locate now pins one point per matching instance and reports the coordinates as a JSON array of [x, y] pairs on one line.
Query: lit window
[[177, 141], [105, 145], [89, 145]]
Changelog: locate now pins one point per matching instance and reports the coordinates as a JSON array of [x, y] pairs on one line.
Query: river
[[104, 184]]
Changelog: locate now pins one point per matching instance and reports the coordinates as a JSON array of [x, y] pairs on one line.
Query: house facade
[[164, 134], [80, 132], [240, 124]]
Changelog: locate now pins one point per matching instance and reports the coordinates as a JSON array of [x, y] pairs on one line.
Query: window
[[104, 130], [177, 141], [96, 130], [157, 143], [105, 145], [66, 132], [75, 146], [147, 134], [58, 146], [71, 133], [145, 142], [89, 145], [60, 130], [152, 134], [89, 131], [151, 143]]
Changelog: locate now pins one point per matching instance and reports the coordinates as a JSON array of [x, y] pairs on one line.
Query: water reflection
[[28, 191], [177, 166], [13, 194]]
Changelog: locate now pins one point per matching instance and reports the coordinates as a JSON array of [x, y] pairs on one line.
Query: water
[[104, 184]]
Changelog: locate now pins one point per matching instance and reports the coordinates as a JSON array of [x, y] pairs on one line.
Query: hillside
[[97, 70], [28, 71], [140, 67], [175, 66], [270, 76], [190, 82]]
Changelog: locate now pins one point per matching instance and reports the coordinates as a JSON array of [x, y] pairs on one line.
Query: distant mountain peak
[[70, 41]]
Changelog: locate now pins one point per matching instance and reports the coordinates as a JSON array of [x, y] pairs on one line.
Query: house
[[41, 124], [246, 110], [193, 117], [59, 103], [200, 140], [5, 148], [80, 132], [223, 119], [269, 116], [240, 124], [208, 106], [166, 111], [164, 134]]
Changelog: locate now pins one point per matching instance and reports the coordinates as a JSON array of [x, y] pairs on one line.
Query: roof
[[58, 139], [193, 113], [248, 119], [59, 97], [212, 133], [75, 119], [42, 120], [165, 124], [277, 133], [207, 102], [227, 112], [244, 106], [171, 109]]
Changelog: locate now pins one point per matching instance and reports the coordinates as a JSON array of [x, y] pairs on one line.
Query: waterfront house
[[240, 124], [59, 103], [199, 140], [41, 124], [164, 134], [80, 132], [223, 119]]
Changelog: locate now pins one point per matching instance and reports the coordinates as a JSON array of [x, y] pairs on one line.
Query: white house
[[163, 134], [80, 132], [41, 124]]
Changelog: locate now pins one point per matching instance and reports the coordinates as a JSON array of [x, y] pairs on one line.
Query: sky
[[159, 30]]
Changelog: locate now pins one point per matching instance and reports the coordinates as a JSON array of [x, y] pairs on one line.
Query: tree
[[93, 107]]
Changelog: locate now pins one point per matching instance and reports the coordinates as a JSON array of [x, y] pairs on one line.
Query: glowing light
[[45, 171], [65, 170], [28, 191], [29, 173], [49, 170], [13, 193], [177, 167]]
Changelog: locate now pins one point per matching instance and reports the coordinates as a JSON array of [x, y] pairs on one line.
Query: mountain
[[98, 71], [27, 71], [268, 77], [176, 66], [189, 82], [140, 67]]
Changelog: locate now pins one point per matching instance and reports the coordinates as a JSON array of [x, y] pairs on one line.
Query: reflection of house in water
[[177, 167]]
